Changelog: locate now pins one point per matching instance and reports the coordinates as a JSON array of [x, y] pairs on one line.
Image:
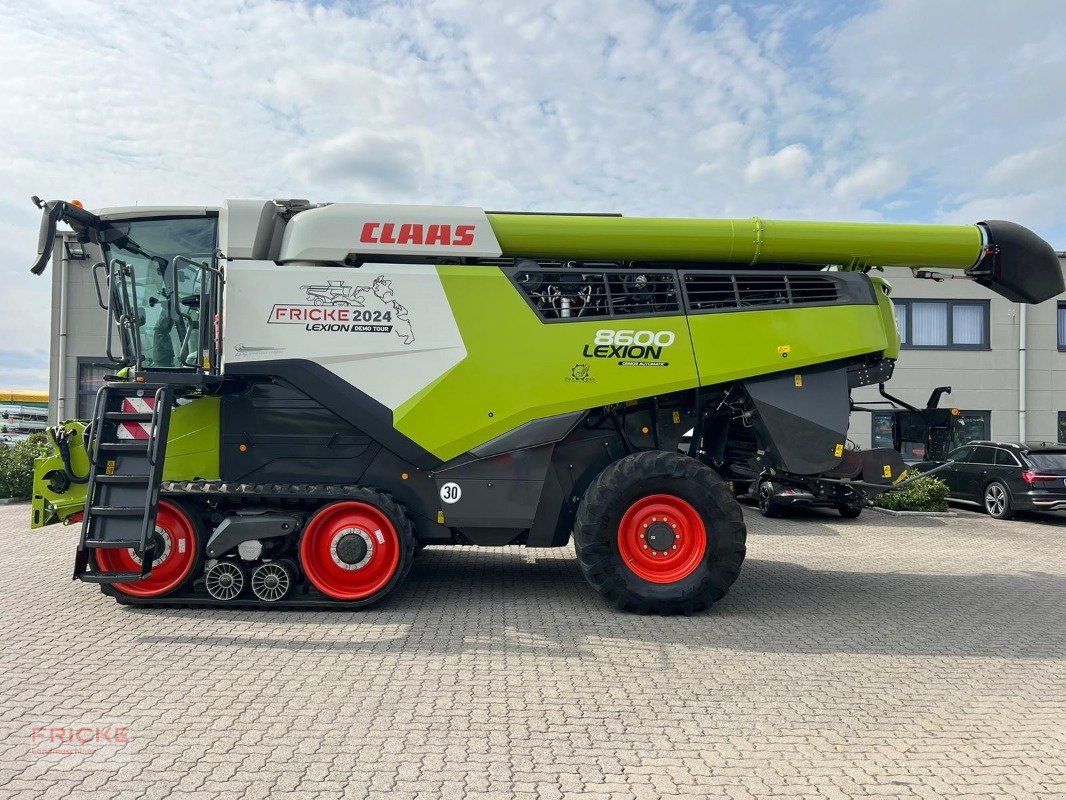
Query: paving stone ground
[[881, 657]]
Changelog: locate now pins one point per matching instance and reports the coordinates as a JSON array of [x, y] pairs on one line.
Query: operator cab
[[158, 280]]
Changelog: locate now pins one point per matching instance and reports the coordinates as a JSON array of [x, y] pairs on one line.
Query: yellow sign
[[677, 417], [838, 451], [887, 471], [440, 517], [109, 468], [799, 381], [784, 349]]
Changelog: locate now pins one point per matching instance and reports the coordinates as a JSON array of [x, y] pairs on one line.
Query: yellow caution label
[[838, 451], [109, 467], [784, 349], [677, 417], [440, 517], [799, 381], [887, 471]]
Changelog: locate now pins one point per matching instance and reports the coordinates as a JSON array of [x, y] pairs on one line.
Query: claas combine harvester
[[306, 394]]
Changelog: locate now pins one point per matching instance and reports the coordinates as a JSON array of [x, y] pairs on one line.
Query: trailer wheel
[[659, 533], [358, 550], [849, 511], [177, 537]]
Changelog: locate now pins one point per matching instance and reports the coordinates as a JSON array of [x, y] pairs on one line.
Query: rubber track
[[319, 602]]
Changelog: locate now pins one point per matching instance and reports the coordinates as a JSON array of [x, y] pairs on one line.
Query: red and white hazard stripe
[[136, 430]]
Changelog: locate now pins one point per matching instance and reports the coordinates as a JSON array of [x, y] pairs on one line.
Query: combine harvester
[[306, 394]]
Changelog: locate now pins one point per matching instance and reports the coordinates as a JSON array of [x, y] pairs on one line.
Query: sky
[[902, 110]]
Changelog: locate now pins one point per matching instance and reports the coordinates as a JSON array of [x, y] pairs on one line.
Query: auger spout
[[1008, 258]]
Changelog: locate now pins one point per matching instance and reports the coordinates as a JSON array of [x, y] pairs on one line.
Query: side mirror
[[46, 238]]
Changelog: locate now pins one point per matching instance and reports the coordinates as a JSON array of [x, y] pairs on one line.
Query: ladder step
[[129, 416], [132, 445], [111, 577], [116, 511], [123, 479], [113, 544]]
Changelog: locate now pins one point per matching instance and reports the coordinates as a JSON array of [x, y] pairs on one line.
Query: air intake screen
[[730, 292]]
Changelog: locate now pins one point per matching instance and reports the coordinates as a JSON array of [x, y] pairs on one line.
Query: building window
[[1062, 332], [945, 324], [1062, 426], [90, 378]]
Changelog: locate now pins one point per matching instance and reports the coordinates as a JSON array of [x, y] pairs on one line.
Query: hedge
[[924, 494], [16, 465]]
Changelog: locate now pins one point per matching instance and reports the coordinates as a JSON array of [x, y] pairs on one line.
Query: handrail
[[111, 288], [153, 453]]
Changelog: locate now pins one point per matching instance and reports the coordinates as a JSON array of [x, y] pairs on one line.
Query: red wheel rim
[[167, 574], [662, 538], [326, 547]]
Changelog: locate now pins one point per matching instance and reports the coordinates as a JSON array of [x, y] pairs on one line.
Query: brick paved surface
[[874, 658]]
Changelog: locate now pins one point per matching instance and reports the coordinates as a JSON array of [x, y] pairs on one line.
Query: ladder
[[128, 446]]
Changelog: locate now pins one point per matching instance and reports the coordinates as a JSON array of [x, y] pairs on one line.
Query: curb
[[12, 501], [891, 513]]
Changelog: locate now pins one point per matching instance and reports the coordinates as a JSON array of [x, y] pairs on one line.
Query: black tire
[[764, 499], [396, 515], [635, 478], [997, 502], [849, 511]]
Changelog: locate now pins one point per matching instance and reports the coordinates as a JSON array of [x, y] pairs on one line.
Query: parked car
[[1003, 478]]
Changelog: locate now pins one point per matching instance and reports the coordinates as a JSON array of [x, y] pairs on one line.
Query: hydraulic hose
[[62, 443]]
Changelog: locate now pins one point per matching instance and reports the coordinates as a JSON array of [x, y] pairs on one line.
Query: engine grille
[[579, 294], [706, 291]]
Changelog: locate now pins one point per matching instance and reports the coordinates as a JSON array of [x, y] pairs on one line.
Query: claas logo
[[417, 233]]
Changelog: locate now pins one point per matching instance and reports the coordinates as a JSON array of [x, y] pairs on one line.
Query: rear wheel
[[768, 505], [997, 501], [659, 532], [358, 550], [176, 547]]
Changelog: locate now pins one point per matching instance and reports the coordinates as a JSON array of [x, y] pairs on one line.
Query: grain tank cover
[[331, 233]]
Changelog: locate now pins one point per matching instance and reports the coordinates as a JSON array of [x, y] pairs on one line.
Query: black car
[[1003, 478]]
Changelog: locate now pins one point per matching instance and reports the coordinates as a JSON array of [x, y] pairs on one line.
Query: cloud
[[902, 111], [23, 369], [787, 165], [968, 105], [387, 164], [875, 179]]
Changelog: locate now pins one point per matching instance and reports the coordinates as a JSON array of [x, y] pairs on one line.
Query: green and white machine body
[[482, 370]]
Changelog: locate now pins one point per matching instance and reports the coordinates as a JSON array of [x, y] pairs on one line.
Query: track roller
[[272, 580], [224, 580]]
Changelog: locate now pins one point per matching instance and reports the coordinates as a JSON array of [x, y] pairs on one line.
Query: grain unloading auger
[[306, 394]]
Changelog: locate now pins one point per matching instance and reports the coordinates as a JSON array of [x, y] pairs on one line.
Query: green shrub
[[924, 494], [16, 465]]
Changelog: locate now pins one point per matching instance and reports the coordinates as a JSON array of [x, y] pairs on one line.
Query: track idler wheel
[[176, 551], [357, 550], [272, 580]]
